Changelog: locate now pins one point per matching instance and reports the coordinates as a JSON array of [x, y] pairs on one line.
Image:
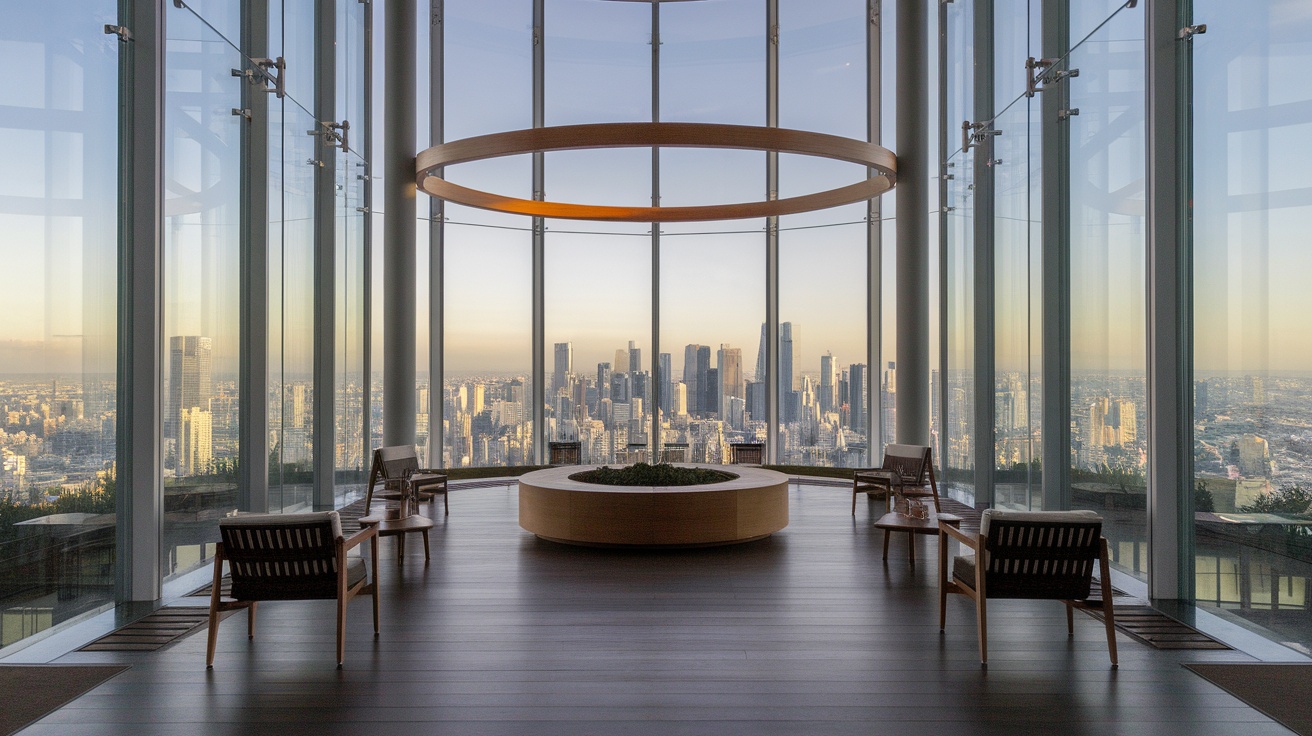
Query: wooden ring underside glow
[[429, 164]]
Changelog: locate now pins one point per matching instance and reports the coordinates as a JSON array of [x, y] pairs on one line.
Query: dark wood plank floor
[[804, 633]]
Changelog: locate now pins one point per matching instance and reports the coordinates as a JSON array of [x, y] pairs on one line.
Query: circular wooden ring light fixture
[[429, 164]]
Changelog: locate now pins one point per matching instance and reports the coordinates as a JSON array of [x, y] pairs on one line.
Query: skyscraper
[[690, 376], [190, 382], [828, 383], [729, 363], [635, 357], [856, 377], [564, 366], [621, 361], [706, 389]]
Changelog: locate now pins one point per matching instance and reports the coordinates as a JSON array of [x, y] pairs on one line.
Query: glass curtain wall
[[1252, 120], [1018, 182], [708, 381], [202, 225], [349, 460], [488, 289], [291, 263], [713, 274], [957, 455], [58, 212], [1108, 400], [824, 378]]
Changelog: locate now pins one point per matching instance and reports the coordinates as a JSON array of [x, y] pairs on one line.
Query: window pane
[[58, 213], [1108, 363], [201, 285], [1252, 347]]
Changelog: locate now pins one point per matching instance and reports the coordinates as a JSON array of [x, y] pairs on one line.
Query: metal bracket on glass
[[274, 72], [973, 134], [1186, 34], [337, 134], [1033, 79], [1067, 114], [124, 35], [244, 113]]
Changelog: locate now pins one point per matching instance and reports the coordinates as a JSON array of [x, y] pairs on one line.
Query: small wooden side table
[[399, 528], [898, 522]]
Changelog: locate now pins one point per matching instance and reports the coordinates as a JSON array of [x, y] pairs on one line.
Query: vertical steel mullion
[[399, 224], [912, 224], [325, 254], [253, 373], [367, 245], [1056, 348], [874, 240], [984, 228], [943, 132], [657, 382], [138, 434], [539, 378], [1168, 65], [772, 390], [437, 243]]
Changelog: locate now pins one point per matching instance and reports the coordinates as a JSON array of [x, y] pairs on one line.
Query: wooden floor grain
[[806, 632]]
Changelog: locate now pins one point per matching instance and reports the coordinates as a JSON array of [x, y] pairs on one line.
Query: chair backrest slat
[[282, 556], [396, 461], [1040, 559], [909, 461]]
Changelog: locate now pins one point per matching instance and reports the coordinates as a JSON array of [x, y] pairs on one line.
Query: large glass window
[[202, 164], [958, 393], [1018, 255], [1252, 120], [58, 213], [1108, 363]]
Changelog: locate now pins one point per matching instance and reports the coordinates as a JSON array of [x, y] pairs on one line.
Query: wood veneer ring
[[880, 160]]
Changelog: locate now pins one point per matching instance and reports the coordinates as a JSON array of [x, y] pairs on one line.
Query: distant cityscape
[[1252, 433]]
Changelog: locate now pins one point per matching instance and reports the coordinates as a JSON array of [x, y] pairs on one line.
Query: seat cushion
[[1073, 517], [963, 569]]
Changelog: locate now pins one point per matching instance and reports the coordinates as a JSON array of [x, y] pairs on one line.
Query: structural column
[[874, 242], [1170, 312], [140, 496], [399, 224], [985, 314], [1056, 151], [436, 242], [913, 128], [325, 254], [774, 393]]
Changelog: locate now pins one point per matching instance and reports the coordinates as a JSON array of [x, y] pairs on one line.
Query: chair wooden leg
[[887, 533], [215, 596], [250, 619], [1108, 617], [446, 503], [854, 503], [911, 546], [942, 581], [1070, 619], [981, 620], [425, 533], [373, 555], [400, 548]]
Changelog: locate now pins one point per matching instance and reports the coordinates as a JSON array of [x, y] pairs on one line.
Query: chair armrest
[[965, 539], [431, 471], [365, 533]]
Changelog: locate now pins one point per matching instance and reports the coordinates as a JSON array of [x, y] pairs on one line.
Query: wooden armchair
[[564, 453], [907, 471], [1029, 554], [290, 557], [392, 465]]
